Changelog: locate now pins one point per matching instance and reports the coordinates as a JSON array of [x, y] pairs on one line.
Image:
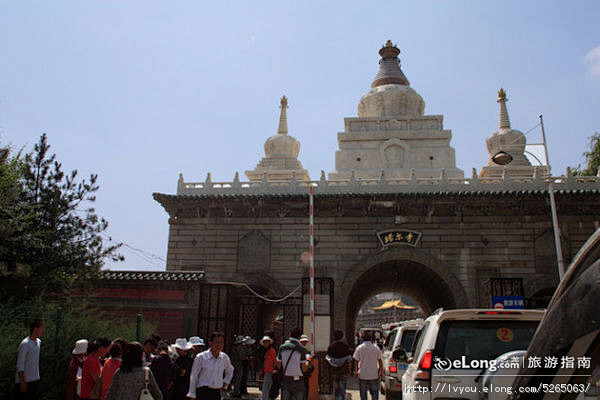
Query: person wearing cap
[[183, 368], [238, 354], [292, 359], [304, 341], [74, 369], [270, 360], [212, 371], [247, 363]]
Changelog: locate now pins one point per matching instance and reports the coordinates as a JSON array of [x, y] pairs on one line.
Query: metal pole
[[59, 326], [59, 323], [138, 328], [188, 327], [557, 242], [312, 275]]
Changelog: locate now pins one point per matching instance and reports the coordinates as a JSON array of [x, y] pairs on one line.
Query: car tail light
[[500, 312], [426, 360], [424, 372], [393, 369]]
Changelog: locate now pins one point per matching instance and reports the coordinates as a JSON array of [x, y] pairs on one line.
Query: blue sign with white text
[[508, 302]]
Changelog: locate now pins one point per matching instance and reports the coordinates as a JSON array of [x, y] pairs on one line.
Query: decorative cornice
[[411, 185], [150, 275]]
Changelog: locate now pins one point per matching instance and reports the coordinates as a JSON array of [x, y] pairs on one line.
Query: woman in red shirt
[[112, 364], [268, 366], [90, 375]]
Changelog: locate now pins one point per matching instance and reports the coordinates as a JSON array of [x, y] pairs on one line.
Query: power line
[[258, 294], [146, 256]]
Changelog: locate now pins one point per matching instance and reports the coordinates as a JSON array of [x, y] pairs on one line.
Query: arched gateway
[[407, 270]]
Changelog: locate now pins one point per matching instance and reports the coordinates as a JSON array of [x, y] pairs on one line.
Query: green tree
[[592, 158], [50, 234]]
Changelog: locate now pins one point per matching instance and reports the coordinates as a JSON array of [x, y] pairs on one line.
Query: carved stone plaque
[[254, 253]]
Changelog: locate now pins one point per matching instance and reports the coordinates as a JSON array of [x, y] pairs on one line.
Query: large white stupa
[[391, 135]]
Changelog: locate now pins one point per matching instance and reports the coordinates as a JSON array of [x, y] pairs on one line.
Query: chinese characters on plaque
[[398, 237]]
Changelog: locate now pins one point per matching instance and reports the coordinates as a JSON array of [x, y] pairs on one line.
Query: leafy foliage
[[592, 158], [78, 322], [46, 234]]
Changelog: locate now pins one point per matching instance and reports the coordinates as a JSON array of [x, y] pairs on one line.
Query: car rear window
[[419, 340], [408, 337], [389, 341], [482, 340]]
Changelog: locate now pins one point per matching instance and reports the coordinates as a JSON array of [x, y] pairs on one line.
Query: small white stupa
[[281, 155], [506, 147]]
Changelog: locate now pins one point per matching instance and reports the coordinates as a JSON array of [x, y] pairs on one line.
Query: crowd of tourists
[[190, 369]]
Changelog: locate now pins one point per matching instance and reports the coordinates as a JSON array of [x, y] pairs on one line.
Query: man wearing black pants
[[27, 379], [212, 371]]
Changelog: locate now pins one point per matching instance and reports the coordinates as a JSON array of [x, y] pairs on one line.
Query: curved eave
[[109, 275], [468, 193]]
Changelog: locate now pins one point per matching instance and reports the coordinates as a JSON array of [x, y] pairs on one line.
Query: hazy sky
[[139, 91]]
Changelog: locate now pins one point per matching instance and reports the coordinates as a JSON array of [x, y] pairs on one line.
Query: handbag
[[277, 378], [145, 394], [78, 379]]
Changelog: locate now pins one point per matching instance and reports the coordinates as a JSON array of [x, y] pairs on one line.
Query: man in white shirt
[[27, 379], [211, 372], [370, 367]]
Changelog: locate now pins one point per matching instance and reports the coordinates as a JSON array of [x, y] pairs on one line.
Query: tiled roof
[[152, 275], [472, 193]]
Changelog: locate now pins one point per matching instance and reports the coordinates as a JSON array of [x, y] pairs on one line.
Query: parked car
[[455, 347], [570, 330], [396, 350]]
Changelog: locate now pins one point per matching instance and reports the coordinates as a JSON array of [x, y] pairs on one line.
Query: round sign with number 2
[[505, 335]]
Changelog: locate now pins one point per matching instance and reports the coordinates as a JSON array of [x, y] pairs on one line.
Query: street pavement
[[254, 392]]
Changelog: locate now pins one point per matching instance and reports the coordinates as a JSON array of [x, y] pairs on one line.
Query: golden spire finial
[[504, 120], [501, 94], [283, 128], [389, 43]]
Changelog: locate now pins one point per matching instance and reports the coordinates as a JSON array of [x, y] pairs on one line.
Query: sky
[[140, 91]]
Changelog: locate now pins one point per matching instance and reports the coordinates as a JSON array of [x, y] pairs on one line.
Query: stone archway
[[400, 269]]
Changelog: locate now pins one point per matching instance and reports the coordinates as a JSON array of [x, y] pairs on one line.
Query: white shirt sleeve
[[194, 376], [21, 356], [356, 355], [228, 370]]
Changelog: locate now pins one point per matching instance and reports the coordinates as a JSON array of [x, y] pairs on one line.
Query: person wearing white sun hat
[[183, 368], [74, 369], [198, 344], [268, 366]]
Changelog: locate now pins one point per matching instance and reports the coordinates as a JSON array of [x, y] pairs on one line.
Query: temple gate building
[[396, 215]]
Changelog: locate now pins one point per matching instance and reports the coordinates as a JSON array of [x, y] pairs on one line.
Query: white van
[[455, 347], [396, 350]]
